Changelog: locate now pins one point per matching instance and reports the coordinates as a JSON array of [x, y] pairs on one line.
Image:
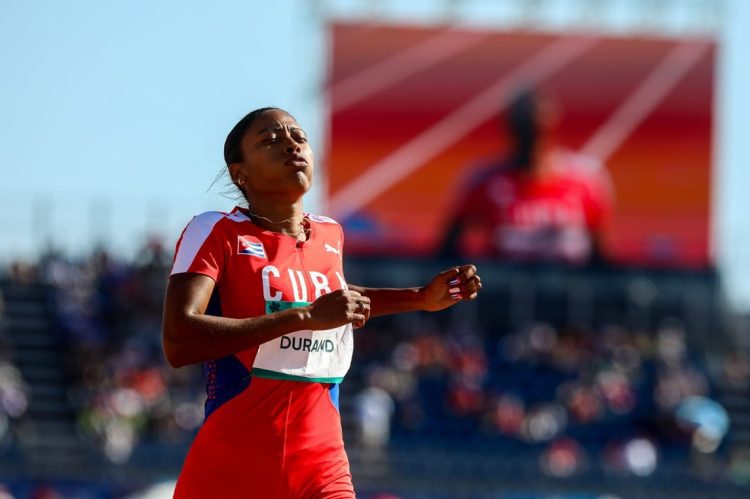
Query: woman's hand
[[451, 286], [338, 308]]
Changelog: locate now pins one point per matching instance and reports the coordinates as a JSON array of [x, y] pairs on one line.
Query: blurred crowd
[[126, 392], [570, 399], [622, 401], [109, 314]]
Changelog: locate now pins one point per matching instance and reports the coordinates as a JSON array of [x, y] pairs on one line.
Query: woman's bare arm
[[190, 336], [444, 290]]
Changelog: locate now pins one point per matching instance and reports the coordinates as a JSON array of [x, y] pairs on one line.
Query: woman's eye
[[270, 140]]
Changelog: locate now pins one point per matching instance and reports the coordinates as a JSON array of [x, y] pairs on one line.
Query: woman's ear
[[234, 173]]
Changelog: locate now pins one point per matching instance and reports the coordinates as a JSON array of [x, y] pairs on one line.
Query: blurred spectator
[[465, 396], [468, 369], [677, 379], [706, 420], [637, 456], [736, 371], [564, 458], [582, 401], [374, 409], [14, 398], [506, 415], [544, 423], [13, 391]]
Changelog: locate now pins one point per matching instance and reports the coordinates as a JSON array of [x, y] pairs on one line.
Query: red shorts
[[275, 439]]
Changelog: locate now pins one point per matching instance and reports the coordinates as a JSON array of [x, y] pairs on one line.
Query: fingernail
[[454, 290], [454, 281], [456, 297]]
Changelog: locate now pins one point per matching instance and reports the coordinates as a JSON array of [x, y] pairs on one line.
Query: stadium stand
[[579, 381]]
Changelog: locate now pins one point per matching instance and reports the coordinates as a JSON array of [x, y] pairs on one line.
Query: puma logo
[[331, 249]]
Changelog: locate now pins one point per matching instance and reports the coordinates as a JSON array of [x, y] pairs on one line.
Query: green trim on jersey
[[265, 373], [278, 306]]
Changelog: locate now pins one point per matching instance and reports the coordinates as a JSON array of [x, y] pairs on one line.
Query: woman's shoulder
[[207, 218], [325, 224], [215, 216], [208, 221]]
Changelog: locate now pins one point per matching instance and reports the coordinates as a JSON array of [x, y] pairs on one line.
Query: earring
[[240, 181]]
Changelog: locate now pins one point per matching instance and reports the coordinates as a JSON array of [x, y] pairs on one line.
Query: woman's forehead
[[274, 118]]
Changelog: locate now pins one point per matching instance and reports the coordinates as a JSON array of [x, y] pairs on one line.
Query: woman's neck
[[278, 217]]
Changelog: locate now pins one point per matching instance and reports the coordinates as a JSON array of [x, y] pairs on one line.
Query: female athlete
[[258, 295]]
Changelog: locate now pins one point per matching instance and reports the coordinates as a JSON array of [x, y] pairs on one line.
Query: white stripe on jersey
[[237, 216], [321, 219], [193, 238]]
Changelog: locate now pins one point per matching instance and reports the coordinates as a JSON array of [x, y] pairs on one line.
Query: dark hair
[[233, 144], [522, 125]]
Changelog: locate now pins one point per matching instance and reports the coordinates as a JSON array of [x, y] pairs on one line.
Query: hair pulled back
[[233, 153], [233, 144]]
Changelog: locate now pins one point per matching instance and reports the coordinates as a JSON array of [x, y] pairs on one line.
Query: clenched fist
[[335, 309], [451, 286]]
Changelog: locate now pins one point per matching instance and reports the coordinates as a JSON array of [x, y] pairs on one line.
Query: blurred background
[[587, 155]]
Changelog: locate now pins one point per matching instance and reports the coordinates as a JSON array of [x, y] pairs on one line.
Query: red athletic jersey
[[508, 214], [272, 425]]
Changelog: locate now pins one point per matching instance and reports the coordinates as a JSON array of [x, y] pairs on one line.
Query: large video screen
[[521, 146]]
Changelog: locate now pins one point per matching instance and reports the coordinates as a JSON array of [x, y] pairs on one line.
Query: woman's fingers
[[467, 274], [361, 313], [450, 273], [473, 284], [466, 285], [366, 309], [464, 273], [359, 310]]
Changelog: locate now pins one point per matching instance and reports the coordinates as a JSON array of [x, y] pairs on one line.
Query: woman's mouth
[[296, 161]]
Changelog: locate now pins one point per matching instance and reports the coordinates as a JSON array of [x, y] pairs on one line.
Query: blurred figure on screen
[[540, 202]]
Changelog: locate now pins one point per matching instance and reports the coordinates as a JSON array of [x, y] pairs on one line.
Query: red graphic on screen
[[419, 121]]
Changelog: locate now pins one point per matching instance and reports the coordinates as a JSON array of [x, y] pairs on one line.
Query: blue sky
[[114, 113]]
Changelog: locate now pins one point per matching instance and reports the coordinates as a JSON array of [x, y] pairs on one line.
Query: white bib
[[312, 356]]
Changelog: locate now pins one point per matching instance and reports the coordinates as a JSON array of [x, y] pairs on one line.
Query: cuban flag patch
[[248, 245]]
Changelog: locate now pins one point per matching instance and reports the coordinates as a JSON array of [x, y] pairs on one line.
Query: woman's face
[[277, 159]]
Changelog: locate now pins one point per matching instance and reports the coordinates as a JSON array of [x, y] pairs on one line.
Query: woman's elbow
[[172, 354], [173, 350]]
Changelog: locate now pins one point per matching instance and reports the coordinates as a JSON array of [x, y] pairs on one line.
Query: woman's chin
[[304, 181]]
